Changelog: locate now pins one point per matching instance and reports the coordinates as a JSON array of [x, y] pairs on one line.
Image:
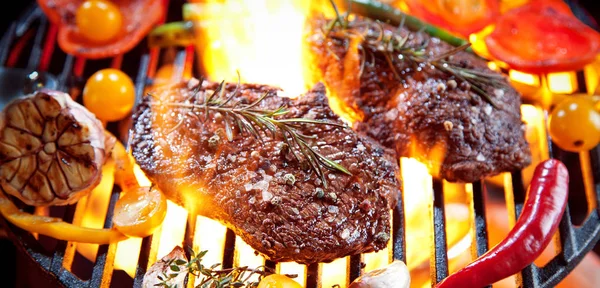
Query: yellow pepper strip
[[124, 176], [55, 227]]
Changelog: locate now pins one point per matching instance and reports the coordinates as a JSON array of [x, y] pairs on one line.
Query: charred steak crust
[[247, 185], [425, 110]]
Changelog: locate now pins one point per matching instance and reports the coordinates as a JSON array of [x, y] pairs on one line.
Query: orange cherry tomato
[[574, 124], [98, 20], [140, 211], [278, 281], [109, 94], [459, 16], [97, 32], [542, 37]]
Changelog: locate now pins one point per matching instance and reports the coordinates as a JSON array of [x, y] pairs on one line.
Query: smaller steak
[[259, 189], [417, 109]]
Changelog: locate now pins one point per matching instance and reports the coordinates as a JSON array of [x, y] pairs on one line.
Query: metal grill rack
[[30, 42]]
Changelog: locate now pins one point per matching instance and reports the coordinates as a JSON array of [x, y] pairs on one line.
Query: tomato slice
[[543, 37], [140, 211], [459, 16], [139, 17]]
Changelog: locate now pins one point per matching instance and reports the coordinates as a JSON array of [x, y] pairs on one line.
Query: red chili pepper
[[544, 206]]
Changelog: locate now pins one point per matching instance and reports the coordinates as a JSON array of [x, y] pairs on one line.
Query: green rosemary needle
[[260, 122], [395, 49]]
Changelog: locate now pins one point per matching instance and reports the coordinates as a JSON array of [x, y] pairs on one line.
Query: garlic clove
[[394, 275]]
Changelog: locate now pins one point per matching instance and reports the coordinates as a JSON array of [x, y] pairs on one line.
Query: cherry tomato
[[542, 37], [278, 281], [109, 94], [459, 16], [574, 124], [104, 30], [140, 211], [98, 20]]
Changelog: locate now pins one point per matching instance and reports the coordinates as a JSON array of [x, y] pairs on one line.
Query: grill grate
[[574, 240]]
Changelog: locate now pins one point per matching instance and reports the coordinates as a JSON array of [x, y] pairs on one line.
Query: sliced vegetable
[[380, 11], [109, 94], [140, 211], [172, 34], [574, 124], [544, 206], [542, 37], [460, 16], [55, 227], [278, 281], [93, 40]]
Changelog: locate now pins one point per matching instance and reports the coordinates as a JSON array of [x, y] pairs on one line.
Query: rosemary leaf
[[394, 49], [255, 121]]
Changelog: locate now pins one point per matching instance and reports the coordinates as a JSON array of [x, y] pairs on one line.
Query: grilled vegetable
[[51, 149], [55, 227], [96, 32], [543, 37], [544, 206], [385, 13], [459, 16], [394, 275], [158, 274], [574, 124], [278, 281], [109, 94]]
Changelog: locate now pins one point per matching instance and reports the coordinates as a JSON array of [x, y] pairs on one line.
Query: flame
[[293, 268], [261, 39], [563, 82], [334, 273], [96, 207]]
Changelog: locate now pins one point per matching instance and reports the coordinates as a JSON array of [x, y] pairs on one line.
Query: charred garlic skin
[[51, 149]]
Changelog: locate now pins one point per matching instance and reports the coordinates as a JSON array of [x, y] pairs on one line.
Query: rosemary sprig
[[211, 276], [257, 122], [395, 49]]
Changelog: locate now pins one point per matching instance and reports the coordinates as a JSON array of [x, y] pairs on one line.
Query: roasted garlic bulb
[[51, 149]]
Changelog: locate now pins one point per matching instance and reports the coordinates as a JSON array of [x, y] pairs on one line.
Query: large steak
[[415, 108], [276, 203]]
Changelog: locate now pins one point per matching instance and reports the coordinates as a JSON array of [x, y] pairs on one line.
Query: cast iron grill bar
[[481, 236], [355, 266], [36, 51], [574, 240], [313, 275], [147, 248], [103, 268], [398, 231], [439, 233], [229, 250], [6, 41]]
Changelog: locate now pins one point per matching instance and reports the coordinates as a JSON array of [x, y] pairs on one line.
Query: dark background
[[11, 10]]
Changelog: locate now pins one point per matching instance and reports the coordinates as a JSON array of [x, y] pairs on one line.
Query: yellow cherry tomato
[[98, 20], [278, 281], [109, 94], [574, 124], [140, 211]]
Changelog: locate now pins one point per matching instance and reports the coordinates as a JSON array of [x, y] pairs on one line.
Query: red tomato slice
[[139, 17], [459, 16], [543, 37]]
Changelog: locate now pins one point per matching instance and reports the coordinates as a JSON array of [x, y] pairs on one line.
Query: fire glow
[[263, 41]]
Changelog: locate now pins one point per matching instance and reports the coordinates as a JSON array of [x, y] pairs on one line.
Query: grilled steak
[[415, 108], [275, 202]]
